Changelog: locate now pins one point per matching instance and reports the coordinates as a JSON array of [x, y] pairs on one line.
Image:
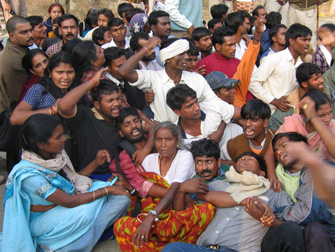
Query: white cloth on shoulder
[[246, 184], [60, 162], [176, 48]]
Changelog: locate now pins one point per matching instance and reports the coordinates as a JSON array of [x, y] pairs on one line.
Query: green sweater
[[290, 184]]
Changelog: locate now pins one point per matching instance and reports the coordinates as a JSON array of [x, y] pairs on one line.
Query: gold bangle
[[50, 113], [93, 195], [84, 173], [106, 191]]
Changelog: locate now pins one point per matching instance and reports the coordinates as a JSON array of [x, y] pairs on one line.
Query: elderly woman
[[50, 207], [157, 224], [316, 123]]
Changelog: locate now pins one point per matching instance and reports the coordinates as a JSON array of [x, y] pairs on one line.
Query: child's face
[[191, 63], [107, 37]]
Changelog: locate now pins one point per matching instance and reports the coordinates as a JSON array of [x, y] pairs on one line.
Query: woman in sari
[[50, 207], [315, 123], [158, 225]]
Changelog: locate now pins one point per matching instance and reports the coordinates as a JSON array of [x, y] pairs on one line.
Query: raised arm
[[67, 105], [127, 69]]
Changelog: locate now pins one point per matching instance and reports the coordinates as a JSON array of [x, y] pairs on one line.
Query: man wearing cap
[[223, 59], [198, 120], [173, 54]]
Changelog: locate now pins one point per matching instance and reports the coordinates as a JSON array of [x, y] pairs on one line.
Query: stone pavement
[[105, 246]]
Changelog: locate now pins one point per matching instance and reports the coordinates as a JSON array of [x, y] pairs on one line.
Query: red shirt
[[216, 62]]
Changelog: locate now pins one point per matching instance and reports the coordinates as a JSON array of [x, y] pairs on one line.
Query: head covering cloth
[[176, 48]]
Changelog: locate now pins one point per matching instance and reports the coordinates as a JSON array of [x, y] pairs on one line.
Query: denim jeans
[[186, 247], [113, 208]]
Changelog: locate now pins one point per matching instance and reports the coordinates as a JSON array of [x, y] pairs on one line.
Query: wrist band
[[52, 110], [50, 113], [84, 173], [93, 195], [145, 49], [95, 83], [309, 119], [102, 192], [106, 191]]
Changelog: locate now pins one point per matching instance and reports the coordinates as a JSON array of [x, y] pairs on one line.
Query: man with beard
[[308, 211], [95, 128], [133, 139], [68, 30], [174, 55], [148, 62], [12, 74], [202, 38]]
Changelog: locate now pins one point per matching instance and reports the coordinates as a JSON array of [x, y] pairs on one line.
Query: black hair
[[123, 8], [49, 42], [99, 34], [177, 96], [329, 26], [305, 71], [83, 54], [246, 14], [27, 60], [193, 51], [153, 17], [168, 42], [90, 20], [46, 80], [295, 31], [132, 12], [273, 19], [260, 160], [113, 53], [255, 108], [205, 147], [220, 33], [255, 11], [292, 136], [218, 10], [105, 87], [134, 41], [274, 30], [213, 22], [38, 128], [234, 20], [318, 97], [200, 32], [66, 17], [34, 20], [115, 22], [13, 22], [124, 113], [68, 47], [106, 12]]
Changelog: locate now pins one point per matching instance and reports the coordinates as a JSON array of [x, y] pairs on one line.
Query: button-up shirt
[[160, 83], [275, 77]]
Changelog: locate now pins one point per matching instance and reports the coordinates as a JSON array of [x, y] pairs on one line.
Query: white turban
[[176, 48]]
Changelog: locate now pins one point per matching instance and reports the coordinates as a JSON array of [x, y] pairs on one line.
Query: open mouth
[[249, 132], [135, 132]]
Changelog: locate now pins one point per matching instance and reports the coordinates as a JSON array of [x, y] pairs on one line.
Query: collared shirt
[[160, 83], [116, 81], [112, 43], [240, 49], [152, 65], [234, 228], [267, 53], [275, 77], [322, 57]]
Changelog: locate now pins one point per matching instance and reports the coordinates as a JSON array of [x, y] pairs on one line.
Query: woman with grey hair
[[168, 168]]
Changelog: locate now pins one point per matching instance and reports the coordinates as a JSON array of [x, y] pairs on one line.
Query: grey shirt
[[234, 228]]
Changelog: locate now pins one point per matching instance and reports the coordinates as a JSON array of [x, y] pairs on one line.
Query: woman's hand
[[118, 190], [121, 181], [142, 232], [102, 156], [307, 107]]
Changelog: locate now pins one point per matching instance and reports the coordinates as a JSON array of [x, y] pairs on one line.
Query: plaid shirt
[[124, 104], [320, 60], [55, 48]]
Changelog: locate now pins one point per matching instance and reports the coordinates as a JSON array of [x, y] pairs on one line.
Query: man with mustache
[[12, 74], [39, 31], [68, 30], [232, 229]]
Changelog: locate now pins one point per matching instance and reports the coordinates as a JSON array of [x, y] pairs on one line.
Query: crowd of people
[[168, 132]]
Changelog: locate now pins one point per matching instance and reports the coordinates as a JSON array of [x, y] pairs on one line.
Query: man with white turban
[[174, 56]]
